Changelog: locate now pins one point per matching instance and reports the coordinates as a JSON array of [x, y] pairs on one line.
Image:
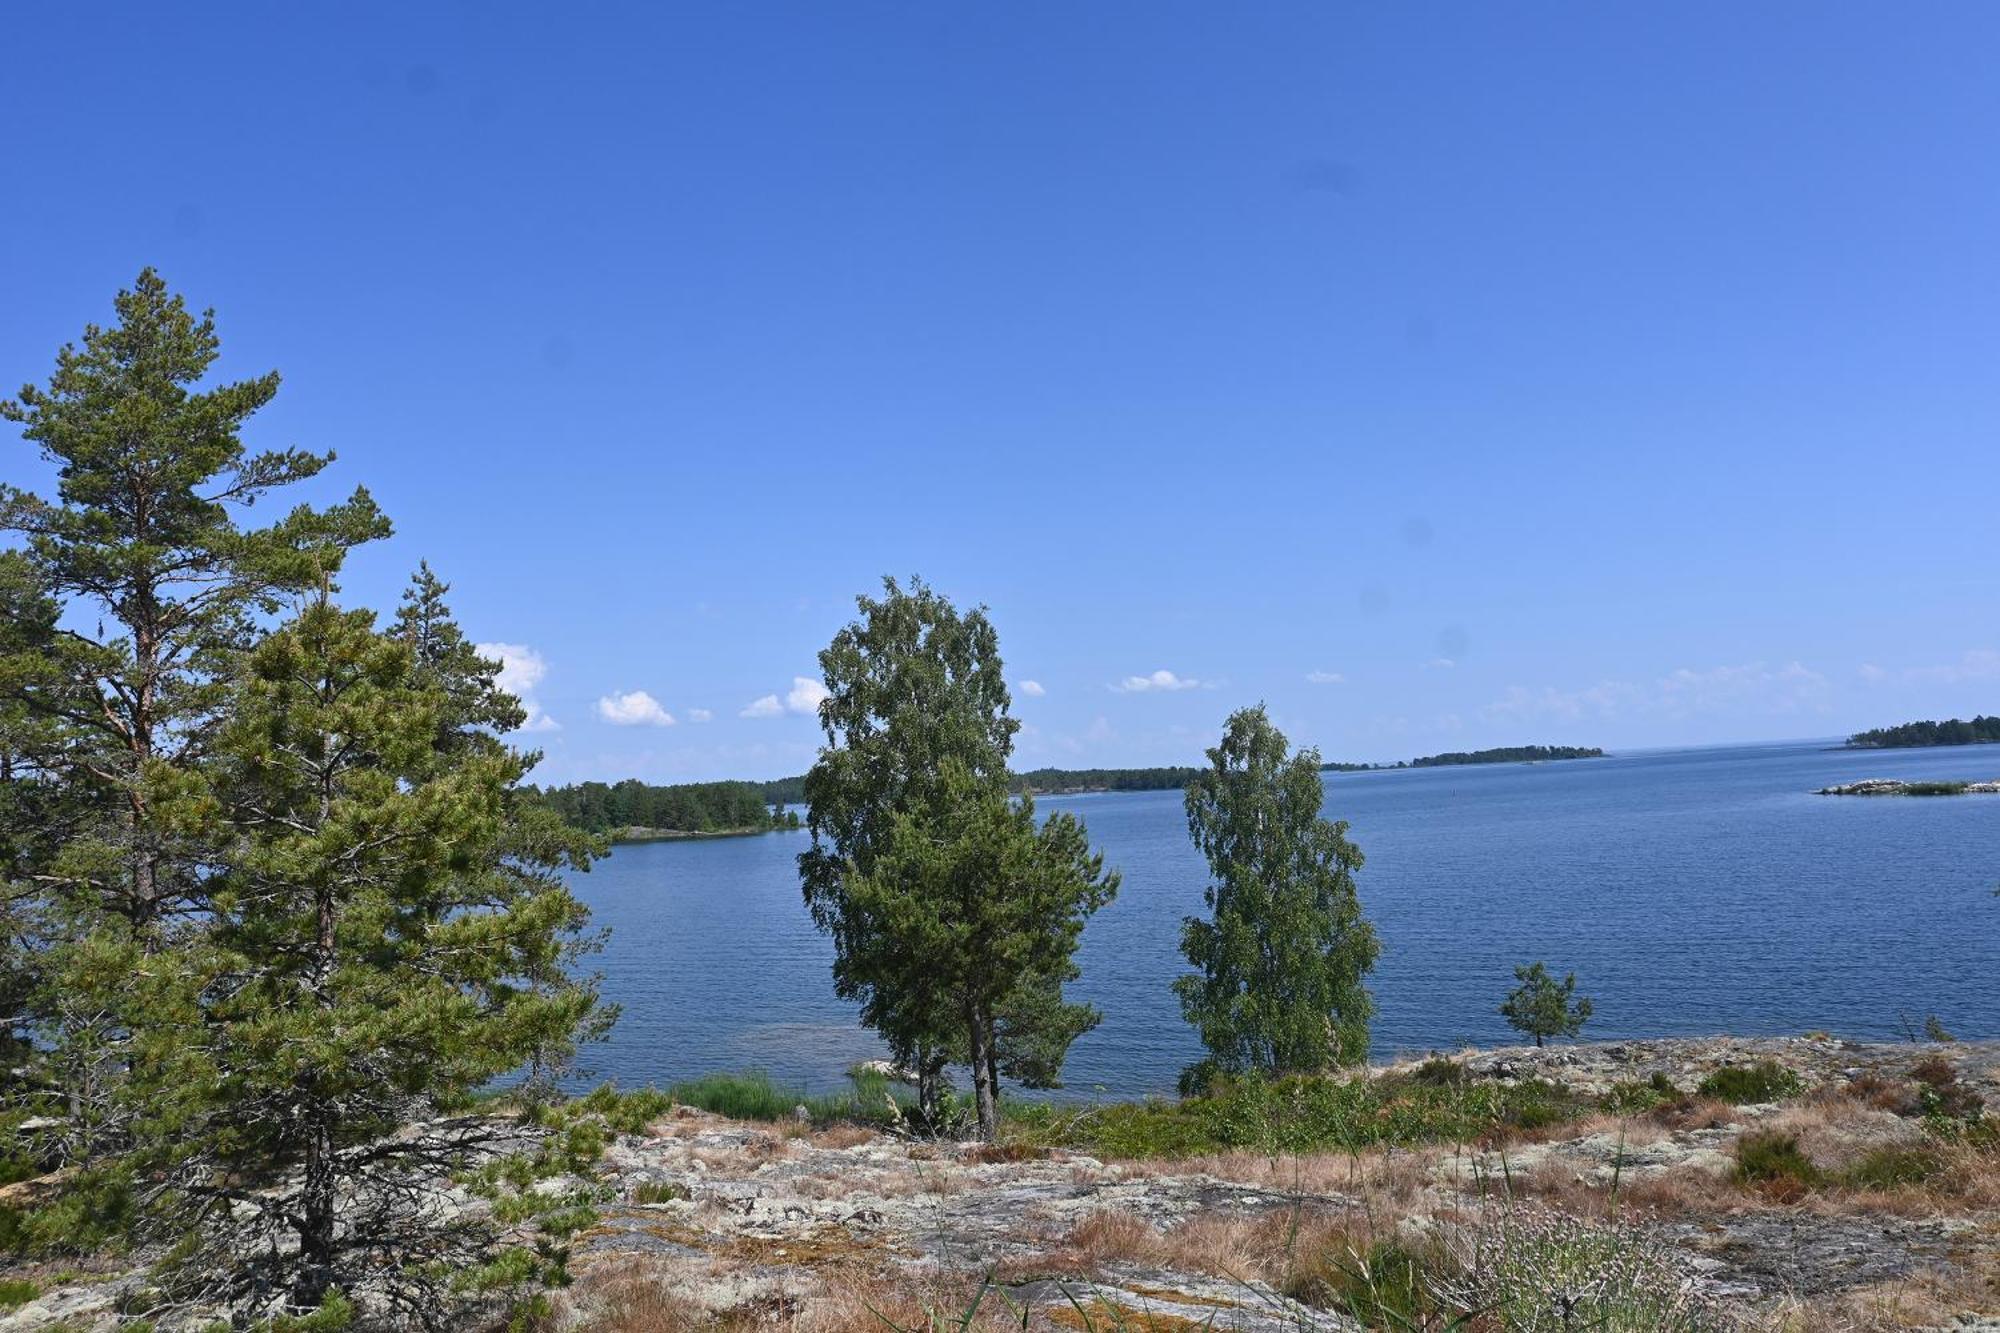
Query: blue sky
[[1443, 375]]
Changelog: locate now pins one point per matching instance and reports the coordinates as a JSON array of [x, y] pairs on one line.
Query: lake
[[1692, 891]]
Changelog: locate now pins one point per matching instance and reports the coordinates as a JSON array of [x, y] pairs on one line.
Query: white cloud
[[1325, 678], [805, 695], [521, 669], [1159, 680], [635, 709], [699, 715], [1752, 689], [1979, 664], [1032, 688], [768, 706], [1440, 664]]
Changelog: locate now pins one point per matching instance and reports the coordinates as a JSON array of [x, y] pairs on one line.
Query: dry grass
[[837, 1137], [1837, 1132], [1395, 1175], [1691, 1113]]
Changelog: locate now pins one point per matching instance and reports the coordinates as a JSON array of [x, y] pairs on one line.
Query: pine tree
[[115, 698], [143, 533], [1542, 1007], [385, 941], [1284, 950]]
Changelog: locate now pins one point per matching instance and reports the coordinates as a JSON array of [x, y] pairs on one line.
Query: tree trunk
[[316, 1201], [984, 1094], [316, 1214]]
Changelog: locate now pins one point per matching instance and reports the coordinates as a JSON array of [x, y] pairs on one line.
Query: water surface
[[1693, 891]]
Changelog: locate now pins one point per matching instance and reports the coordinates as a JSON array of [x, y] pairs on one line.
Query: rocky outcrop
[[1898, 787]]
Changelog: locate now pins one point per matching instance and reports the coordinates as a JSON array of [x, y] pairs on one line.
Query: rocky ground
[[716, 1223], [752, 1218]]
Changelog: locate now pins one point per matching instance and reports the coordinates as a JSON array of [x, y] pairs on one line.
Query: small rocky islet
[[1906, 787]]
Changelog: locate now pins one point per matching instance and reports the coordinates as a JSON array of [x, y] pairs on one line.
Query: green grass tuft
[[1768, 1156], [1751, 1085]]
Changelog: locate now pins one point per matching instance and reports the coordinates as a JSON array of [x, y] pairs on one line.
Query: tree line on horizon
[[281, 908], [686, 807], [727, 806], [1910, 735]]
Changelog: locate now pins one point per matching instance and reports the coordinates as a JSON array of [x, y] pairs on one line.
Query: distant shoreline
[[619, 837], [1922, 735]]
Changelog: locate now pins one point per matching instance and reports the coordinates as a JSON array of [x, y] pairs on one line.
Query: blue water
[[1692, 891]]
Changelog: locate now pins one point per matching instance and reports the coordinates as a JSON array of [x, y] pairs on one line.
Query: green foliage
[[689, 807], [627, 1112], [1766, 1156], [870, 1099], [1895, 1167], [1635, 1098], [1751, 1085], [1529, 1270], [1061, 781], [388, 931], [16, 1292], [127, 596], [1542, 1007], [954, 915], [1384, 1285], [1305, 1114], [659, 1191], [1980, 730], [1280, 959]]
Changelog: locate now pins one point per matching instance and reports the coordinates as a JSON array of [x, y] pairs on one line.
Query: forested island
[[1068, 781], [634, 811], [1506, 754], [1910, 735]]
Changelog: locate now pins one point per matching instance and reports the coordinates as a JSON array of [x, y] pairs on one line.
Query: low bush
[[1635, 1098], [1940, 1094], [1751, 1085], [1769, 1157], [1386, 1285], [1306, 1114], [659, 1191], [748, 1096], [1895, 1168], [17, 1292], [1529, 1270]]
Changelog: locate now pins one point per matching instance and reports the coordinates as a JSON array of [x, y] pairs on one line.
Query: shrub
[[1388, 1285], [16, 1292], [1441, 1072], [747, 1096], [1634, 1098], [659, 1191], [1749, 1085], [1894, 1167], [1528, 1270], [1771, 1157], [1308, 1114]]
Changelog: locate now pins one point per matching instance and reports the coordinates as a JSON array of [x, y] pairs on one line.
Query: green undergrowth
[[869, 1099], [1751, 1085], [1304, 1114]]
